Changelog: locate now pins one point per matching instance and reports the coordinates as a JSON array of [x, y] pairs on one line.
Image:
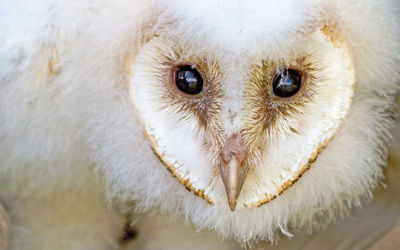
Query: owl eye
[[286, 83], [189, 80]]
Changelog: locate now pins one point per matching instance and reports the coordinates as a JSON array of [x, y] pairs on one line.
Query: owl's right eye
[[188, 80]]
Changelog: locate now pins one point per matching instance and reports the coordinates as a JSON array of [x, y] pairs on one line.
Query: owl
[[246, 118]]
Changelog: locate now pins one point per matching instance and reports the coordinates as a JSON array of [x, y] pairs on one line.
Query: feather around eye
[[204, 105], [260, 85], [264, 107], [307, 71]]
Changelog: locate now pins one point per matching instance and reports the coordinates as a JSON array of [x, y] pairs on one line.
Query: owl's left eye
[[287, 83], [188, 80]]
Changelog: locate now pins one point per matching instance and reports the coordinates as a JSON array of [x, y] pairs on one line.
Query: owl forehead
[[244, 27]]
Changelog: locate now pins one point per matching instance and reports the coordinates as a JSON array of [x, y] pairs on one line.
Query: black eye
[[189, 80], [286, 83]]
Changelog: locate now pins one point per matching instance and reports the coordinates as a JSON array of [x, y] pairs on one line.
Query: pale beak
[[233, 175]]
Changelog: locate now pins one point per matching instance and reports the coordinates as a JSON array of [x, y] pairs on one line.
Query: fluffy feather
[[66, 117]]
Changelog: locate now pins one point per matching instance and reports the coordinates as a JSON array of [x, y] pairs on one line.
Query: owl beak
[[233, 174]]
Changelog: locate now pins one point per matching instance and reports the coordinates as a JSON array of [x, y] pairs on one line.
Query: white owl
[[247, 118]]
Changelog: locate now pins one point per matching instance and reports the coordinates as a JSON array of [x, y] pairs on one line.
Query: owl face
[[235, 128]]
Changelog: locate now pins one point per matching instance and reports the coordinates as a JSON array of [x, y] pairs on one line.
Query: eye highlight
[[188, 80], [287, 83]]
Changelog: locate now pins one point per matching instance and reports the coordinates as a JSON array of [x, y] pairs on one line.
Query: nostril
[[228, 156], [234, 147]]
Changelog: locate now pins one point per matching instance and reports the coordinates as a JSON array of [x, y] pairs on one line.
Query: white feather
[[69, 138]]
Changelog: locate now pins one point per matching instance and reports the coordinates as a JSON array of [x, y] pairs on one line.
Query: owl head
[[238, 128], [255, 117]]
